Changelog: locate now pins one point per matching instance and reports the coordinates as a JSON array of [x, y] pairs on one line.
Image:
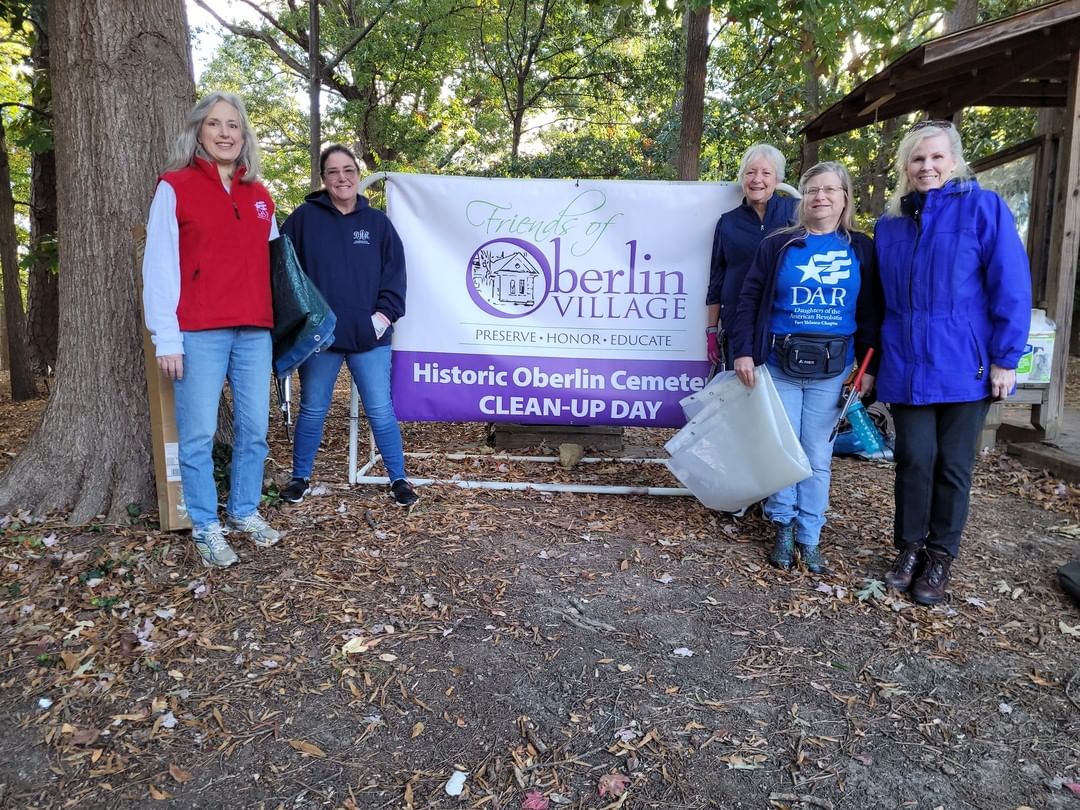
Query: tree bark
[[688, 159], [43, 294], [22, 381], [121, 85], [812, 89]]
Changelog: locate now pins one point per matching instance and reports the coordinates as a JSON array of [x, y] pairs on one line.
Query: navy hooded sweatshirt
[[358, 263]]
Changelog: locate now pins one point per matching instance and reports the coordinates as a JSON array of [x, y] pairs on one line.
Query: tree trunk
[[22, 381], [121, 85], [688, 160], [812, 89], [963, 14], [879, 178], [43, 295]]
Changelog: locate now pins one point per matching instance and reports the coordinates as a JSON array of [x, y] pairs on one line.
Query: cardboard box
[[172, 513], [1036, 361]]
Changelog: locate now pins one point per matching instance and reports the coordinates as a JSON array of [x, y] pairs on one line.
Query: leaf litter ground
[[552, 650]]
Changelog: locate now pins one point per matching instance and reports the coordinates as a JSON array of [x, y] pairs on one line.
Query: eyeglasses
[[812, 191], [940, 123], [334, 174]]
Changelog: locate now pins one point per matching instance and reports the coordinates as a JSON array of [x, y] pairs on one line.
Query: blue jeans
[[370, 371], [241, 355], [813, 406]]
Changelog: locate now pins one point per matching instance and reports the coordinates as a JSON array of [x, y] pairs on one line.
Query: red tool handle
[[862, 369]]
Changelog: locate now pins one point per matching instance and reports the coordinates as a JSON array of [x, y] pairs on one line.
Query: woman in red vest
[[206, 294]]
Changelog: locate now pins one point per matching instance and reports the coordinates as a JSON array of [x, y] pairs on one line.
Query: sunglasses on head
[[940, 123]]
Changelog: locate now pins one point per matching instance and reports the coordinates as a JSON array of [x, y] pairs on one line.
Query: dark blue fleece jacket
[[735, 241], [357, 262]]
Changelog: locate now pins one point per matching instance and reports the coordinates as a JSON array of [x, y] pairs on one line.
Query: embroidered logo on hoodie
[[262, 210], [361, 237]]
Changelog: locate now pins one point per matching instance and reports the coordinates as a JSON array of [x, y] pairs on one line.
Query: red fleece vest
[[224, 250]]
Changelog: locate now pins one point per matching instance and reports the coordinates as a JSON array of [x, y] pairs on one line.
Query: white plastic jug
[[738, 446]]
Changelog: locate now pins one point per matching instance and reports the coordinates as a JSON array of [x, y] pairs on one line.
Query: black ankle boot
[[929, 588], [905, 567], [783, 553]]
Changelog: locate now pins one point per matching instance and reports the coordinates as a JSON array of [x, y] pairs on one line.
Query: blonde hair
[[767, 151], [903, 154], [187, 146], [846, 225]]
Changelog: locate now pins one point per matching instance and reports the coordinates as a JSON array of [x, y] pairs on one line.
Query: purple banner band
[[443, 387]]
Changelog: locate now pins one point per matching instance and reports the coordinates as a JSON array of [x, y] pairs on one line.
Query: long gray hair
[[187, 146], [903, 154]]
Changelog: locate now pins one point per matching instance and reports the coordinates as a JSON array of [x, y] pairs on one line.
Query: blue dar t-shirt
[[817, 288]]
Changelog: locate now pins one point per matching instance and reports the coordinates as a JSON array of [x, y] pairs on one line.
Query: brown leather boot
[[903, 569], [929, 588]]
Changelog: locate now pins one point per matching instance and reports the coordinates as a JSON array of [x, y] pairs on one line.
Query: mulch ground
[[537, 650]]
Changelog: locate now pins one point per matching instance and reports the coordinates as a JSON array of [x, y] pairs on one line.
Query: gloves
[[381, 324], [712, 345]]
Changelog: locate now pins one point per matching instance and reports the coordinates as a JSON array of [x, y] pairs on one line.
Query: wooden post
[[1064, 244]]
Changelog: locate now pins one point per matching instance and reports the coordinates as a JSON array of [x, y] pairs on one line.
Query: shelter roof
[[1016, 61]]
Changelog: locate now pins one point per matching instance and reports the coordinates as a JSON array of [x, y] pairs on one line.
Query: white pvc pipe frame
[[360, 475]]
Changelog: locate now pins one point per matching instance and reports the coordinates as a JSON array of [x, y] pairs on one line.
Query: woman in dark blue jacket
[[957, 291], [354, 256], [810, 306], [736, 239]]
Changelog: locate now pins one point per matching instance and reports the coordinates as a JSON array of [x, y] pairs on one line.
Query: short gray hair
[[187, 147], [762, 150], [908, 145]]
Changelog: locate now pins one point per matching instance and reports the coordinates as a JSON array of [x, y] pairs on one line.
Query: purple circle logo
[[508, 277]]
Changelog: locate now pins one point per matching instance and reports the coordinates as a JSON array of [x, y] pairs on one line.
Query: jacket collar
[[210, 169], [911, 204], [322, 198]]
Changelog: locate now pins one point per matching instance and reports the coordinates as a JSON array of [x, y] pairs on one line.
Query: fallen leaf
[[535, 800], [417, 730], [682, 652], [1069, 630], [158, 794], [179, 774], [872, 589], [613, 784], [388, 657], [1074, 787], [307, 748], [357, 644]]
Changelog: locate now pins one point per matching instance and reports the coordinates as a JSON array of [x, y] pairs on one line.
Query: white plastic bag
[[738, 446]]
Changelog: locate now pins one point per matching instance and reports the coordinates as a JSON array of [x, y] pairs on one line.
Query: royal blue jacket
[[735, 241], [957, 290], [749, 334], [357, 262]]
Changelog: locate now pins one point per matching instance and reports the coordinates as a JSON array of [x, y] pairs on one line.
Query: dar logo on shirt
[[827, 268]]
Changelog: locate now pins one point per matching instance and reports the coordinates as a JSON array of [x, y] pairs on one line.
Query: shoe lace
[[252, 523], [214, 539]]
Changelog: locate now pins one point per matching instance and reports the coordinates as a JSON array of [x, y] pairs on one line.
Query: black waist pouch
[[812, 357]]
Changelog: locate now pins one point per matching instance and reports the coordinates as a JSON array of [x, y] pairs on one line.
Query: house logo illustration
[[508, 278]]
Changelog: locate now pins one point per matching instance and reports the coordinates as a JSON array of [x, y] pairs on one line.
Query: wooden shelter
[[1029, 59]]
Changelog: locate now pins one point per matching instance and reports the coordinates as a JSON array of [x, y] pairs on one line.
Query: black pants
[[935, 453]]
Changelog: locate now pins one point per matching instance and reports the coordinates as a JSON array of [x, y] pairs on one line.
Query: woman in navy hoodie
[[736, 239], [354, 256]]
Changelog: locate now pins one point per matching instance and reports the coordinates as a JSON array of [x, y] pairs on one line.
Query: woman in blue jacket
[[957, 291], [810, 306], [354, 256], [737, 236]]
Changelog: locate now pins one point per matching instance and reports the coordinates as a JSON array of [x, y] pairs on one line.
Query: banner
[[552, 301]]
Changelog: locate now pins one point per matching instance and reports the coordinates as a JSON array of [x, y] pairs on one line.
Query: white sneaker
[[212, 546], [257, 530]]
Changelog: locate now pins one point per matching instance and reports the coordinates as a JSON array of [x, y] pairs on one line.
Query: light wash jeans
[[241, 355], [813, 406], [370, 371]]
